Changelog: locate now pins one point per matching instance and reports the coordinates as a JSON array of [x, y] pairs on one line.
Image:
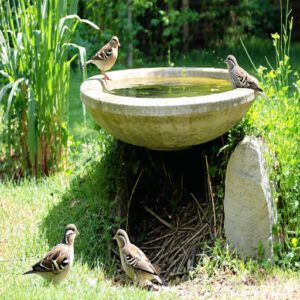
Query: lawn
[[34, 213]]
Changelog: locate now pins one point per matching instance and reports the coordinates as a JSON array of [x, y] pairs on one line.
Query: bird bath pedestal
[[164, 123]]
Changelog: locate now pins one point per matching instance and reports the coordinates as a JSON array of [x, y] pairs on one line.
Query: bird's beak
[[115, 237], [225, 61], [119, 44], [77, 232]]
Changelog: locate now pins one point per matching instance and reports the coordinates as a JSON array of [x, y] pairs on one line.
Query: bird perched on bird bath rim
[[106, 57], [239, 77]]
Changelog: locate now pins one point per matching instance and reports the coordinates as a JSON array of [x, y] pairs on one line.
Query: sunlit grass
[[25, 238]]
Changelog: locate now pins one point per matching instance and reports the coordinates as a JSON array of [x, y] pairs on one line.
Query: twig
[[211, 196], [132, 192], [115, 252], [150, 248], [159, 238], [197, 202], [178, 274], [164, 248], [191, 238], [158, 217], [172, 264], [188, 223]]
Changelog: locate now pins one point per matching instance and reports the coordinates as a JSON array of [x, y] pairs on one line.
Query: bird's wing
[[105, 52], [55, 261], [247, 80], [137, 259]]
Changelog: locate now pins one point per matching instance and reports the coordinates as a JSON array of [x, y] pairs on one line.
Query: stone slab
[[248, 205]]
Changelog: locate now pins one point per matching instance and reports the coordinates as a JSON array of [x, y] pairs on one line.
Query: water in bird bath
[[172, 87]]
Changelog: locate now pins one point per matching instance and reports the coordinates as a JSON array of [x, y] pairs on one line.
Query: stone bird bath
[[164, 123]]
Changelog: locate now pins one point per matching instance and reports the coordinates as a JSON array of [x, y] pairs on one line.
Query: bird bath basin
[[173, 118]]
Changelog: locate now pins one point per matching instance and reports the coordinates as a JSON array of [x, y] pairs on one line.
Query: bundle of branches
[[174, 246], [171, 206]]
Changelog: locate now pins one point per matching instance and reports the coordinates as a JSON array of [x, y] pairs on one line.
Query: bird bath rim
[[120, 114]]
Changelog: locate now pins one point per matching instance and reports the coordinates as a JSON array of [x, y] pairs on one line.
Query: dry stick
[[178, 274], [180, 247], [154, 230], [132, 192], [173, 264], [159, 238], [149, 248], [162, 249], [186, 229], [188, 223], [158, 217], [185, 256], [191, 238], [168, 253], [199, 208], [211, 196], [181, 188], [115, 252], [197, 202]]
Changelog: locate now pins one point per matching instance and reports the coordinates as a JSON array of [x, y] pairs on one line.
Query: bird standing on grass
[[134, 261], [239, 77], [56, 265], [106, 57]]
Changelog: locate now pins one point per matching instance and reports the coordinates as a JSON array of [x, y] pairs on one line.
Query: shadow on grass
[[89, 203]]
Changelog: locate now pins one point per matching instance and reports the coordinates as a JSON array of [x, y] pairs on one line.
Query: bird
[[134, 261], [106, 57], [239, 77], [56, 264]]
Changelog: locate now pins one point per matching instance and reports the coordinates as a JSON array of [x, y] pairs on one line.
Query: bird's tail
[[263, 95], [28, 272]]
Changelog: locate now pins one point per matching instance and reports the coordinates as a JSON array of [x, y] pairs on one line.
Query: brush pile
[[176, 240]]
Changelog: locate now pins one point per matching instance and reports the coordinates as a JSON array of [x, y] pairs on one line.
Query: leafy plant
[[277, 120], [181, 26], [34, 40]]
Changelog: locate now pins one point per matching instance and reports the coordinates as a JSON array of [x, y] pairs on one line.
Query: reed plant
[[35, 72]]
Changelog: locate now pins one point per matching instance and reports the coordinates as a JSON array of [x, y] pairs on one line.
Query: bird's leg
[[105, 76]]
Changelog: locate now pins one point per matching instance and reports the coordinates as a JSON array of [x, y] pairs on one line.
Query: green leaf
[[11, 94], [32, 134], [4, 90]]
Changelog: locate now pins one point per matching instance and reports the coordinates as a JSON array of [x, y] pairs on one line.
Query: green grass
[[33, 216], [259, 50]]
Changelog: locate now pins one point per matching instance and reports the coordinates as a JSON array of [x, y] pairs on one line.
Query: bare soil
[[234, 287]]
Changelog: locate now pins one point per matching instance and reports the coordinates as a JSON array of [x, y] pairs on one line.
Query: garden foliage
[[35, 73], [277, 120], [178, 25]]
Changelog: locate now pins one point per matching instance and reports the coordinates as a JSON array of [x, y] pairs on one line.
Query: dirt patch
[[233, 287]]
